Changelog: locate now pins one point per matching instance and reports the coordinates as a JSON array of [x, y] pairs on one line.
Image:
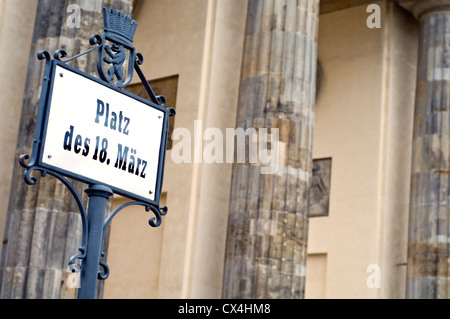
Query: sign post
[[98, 197], [91, 130]]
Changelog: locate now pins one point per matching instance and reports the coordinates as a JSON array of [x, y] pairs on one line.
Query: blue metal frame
[[119, 31], [40, 135]]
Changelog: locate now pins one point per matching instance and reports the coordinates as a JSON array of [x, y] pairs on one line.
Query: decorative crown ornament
[[117, 24]]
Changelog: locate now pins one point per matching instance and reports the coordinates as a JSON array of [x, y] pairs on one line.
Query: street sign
[[90, 129], [98, 134]]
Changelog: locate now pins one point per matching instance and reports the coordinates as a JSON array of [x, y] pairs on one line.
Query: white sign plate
[[103, 135]]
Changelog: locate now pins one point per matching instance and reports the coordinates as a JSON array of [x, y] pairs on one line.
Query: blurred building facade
[[359, 207]]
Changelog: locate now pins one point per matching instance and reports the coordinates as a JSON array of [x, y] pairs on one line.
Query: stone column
[[428, 273], [43, 228], [268, 217]]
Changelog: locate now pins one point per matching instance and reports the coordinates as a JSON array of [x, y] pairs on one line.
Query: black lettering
[[125, 129], [103, 152], [132, 163], [122, 154], [113, 124], [107, 115], [95, 157], [139, 161], [100, 110], [78, 143], [68, 139], [120, 121], [144, 164], [86, 147]]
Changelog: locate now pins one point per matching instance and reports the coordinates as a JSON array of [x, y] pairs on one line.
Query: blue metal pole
[[98, 197]]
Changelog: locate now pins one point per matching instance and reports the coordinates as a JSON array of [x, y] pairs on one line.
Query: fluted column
[[428, 273], [43, 228], [268, 223]]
